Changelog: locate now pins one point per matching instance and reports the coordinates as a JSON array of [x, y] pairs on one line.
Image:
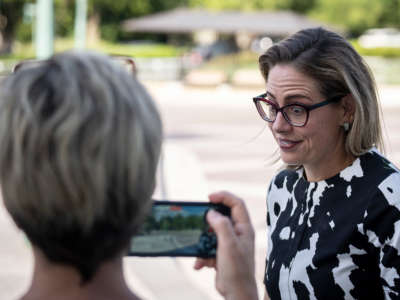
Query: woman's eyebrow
[[270, 94], [296, 96], [290, 97]]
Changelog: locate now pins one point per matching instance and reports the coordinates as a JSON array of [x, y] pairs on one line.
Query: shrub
[[388, 52]]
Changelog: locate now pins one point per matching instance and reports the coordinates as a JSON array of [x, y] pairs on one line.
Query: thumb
[[223, 228]]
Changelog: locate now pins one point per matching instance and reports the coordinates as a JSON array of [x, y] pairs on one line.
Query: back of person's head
[[339, 71], [79, 145]]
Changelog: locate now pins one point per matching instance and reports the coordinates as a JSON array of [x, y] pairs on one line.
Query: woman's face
[[321, 141]]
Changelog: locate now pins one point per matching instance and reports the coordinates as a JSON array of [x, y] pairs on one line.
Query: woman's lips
[[285, 144]]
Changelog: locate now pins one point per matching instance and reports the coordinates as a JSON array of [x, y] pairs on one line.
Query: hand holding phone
[[177, 229], [234, 263]]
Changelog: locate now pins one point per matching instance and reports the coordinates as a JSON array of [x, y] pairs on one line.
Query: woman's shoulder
[[377, 168], [382, 177]]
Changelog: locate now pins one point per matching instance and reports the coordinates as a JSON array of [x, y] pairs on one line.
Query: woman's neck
[[59, 282], [330, 168]]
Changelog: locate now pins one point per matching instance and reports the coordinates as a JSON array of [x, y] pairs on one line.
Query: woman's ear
[[349, 108]]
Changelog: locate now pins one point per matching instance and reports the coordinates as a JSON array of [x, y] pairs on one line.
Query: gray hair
[[339, 70], [80, 141]]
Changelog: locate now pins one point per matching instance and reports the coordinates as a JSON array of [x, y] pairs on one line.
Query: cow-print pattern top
[[338, 238]]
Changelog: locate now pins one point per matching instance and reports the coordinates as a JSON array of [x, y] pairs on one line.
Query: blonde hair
[[79, 145], [339, 70]]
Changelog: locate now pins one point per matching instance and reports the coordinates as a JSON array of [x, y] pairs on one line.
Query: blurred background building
[[170, 39]]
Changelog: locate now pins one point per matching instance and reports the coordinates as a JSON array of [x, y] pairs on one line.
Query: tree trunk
[[6, 43]]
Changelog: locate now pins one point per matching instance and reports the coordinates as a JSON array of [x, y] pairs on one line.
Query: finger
[[244, 229], [239, 211], [223, 229], [201, 263], [198, 264]]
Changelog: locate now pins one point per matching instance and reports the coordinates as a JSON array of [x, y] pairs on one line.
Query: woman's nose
[[280, 124]]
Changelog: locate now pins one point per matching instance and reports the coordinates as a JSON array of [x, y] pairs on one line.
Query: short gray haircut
[[339, 70], [80, 141]]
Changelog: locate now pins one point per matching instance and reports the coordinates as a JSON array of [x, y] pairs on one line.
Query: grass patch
[[27, 50], [140, 50]]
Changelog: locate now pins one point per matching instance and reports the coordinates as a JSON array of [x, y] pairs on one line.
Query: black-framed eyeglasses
[[295, 114]]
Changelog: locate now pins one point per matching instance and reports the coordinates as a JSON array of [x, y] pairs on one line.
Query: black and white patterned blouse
[[338, 238]]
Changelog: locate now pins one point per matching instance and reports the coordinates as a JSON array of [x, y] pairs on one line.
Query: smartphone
[[177, 229]]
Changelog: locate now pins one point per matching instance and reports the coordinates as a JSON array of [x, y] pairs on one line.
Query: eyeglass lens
[[294, 114]]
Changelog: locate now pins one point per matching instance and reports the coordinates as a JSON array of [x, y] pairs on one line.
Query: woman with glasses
[[334, 209]]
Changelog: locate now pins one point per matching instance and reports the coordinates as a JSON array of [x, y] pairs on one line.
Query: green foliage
[[176, 223], [109, 31], [27, 50], [63, 17], [144, 50], [112, 12], [227, 4], [161, 5], [390, 16], [357, 15], [24, 32], [11, 16], [118, 9], [388, 52], [301, 6]]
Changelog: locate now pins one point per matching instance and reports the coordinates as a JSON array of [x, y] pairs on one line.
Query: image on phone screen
[[176, 229]]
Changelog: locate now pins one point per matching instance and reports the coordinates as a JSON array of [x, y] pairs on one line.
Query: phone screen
[[177, 229]]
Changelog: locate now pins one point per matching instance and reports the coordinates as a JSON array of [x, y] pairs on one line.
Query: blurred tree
[[356, 16], [16, 25], [390, 16], [108, 14], [301, 6], [227, 4], [105, 15], [150, 224], [64, 14], [195, 222], [11, 13]]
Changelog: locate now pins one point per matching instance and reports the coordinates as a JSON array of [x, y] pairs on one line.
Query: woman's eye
[[272, 110], [297, 110]]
